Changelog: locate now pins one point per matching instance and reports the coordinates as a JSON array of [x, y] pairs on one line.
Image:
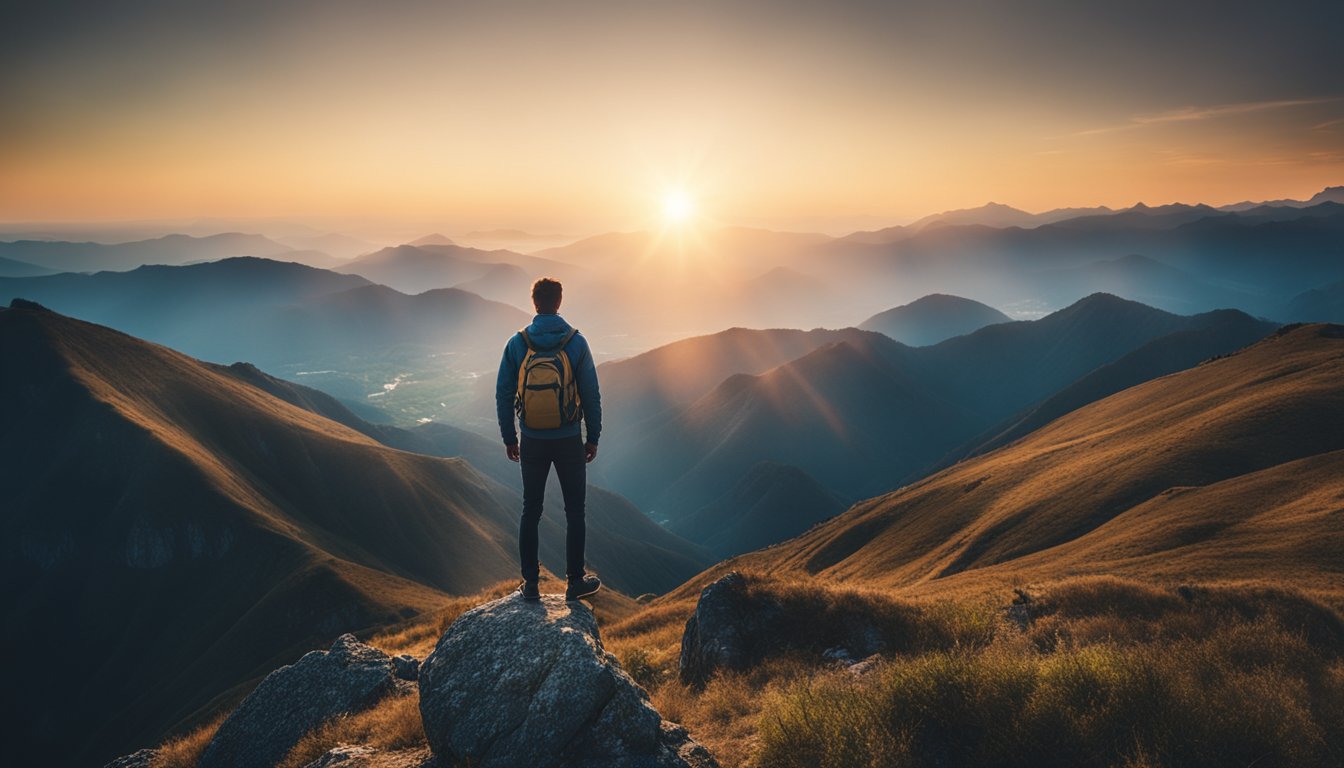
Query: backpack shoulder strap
[[526, 339], [568, 335]]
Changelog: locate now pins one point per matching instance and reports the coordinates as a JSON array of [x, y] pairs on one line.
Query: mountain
[[932, 319], [995, 215], [197, 531], [513, 239], [417, 268], [1220, 333], [506, 283], [12, 268], [434, 239], [675, 375], [770, 503], [1229, 471], [869, 414], [990, 215], [273, 313], [1327, 195], [170, 249], [851, 413], [1141, 279], [1315, 306], [340, 246]]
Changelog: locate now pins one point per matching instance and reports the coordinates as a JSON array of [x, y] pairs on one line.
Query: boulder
[[734, 629], [406, 667], [293, 700], [726, 631], [515, 682]]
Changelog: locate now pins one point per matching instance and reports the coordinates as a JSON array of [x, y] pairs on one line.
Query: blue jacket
[[546, 331]]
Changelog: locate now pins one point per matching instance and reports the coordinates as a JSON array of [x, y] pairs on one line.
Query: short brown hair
[[546, 295]]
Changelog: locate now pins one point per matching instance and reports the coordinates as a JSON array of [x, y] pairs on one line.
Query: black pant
[[571, 467]]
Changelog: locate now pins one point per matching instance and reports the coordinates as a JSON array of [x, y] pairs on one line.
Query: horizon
[[380, 230]]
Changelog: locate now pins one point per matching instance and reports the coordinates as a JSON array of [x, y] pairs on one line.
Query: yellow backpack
[[547, 394]]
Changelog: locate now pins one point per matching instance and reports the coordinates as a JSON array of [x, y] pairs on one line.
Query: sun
[[678, 207]]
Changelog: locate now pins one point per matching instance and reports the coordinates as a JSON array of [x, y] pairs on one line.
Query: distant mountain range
[[418, 268], [1229, 471], [174, 529], [270, 312], [170, 249]]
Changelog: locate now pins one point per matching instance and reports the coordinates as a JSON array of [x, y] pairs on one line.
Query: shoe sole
[[577, 598]]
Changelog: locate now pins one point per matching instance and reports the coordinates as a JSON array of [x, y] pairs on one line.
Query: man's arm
[[506, 388], [585, 377]]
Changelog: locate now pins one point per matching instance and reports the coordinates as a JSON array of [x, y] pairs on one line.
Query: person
[[561, 445]]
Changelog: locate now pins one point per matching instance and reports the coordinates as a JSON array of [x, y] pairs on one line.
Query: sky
[[584, 116]]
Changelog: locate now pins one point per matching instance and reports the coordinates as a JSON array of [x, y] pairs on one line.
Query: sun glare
[[677, 206]]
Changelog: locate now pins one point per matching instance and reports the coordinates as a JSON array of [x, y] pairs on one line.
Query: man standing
[[548, 380]]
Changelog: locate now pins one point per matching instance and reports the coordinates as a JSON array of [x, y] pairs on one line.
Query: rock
[[734, 629], [717, 634], [349, 756], [293, 700], [528, 683], [861, 668], [406, 667], [141, 759]]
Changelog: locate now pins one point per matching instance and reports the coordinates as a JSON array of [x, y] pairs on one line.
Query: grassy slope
[[1231, 470]]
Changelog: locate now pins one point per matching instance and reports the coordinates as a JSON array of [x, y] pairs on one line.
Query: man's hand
[[590, 452], [512, 452]]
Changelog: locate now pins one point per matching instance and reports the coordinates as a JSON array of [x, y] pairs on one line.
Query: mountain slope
[[771, 502], [932, 319], [1224, 333], [1229, 471], [631, 552], [146, 494]]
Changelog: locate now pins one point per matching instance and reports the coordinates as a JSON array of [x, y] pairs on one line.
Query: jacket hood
[[547, 331]]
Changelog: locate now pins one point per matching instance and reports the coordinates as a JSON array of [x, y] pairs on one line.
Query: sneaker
[[582, 587], [530, 591]]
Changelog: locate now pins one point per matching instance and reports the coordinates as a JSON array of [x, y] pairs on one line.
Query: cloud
[[1209, 112]]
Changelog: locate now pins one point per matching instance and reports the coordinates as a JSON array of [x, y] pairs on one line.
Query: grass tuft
[[393, 723], [185, 751]]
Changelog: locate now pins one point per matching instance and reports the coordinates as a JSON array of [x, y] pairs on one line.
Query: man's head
[[546, 296]]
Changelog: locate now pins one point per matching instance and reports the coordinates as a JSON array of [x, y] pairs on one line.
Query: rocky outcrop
[[293, 700], [733, 628], [142, 759], [516, 682]]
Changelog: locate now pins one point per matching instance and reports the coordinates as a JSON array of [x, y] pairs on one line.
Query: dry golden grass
[[1111, 673], [393, 723], [1108, 672], [185, 751]]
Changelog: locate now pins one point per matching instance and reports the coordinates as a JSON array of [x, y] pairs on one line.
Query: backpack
[[547, 396]]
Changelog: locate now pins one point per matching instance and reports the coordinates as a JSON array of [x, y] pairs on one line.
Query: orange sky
[[578, 117]]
